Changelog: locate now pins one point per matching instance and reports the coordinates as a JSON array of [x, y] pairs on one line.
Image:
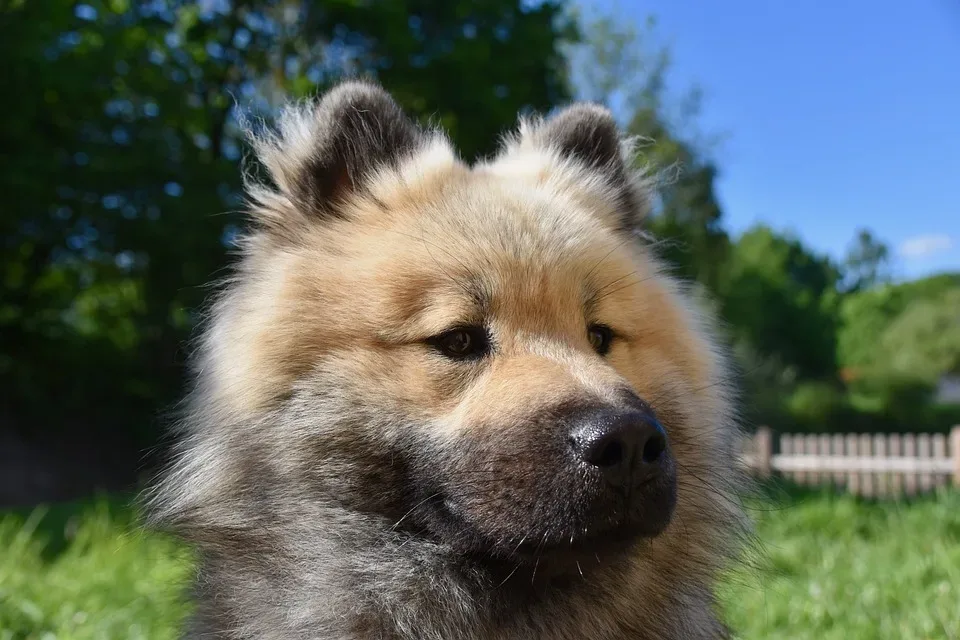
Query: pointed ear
[[326, 150], [587, 134]]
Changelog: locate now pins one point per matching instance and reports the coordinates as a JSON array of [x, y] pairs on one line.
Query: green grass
[[829, 567], [86, 571], [833, 567]]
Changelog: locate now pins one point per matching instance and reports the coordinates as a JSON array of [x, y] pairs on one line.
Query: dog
[[446, 401]]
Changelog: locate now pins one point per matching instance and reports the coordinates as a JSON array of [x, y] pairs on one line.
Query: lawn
[[827, 567], [836, 568]]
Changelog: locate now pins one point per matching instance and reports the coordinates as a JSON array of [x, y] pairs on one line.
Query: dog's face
[[486, 356]]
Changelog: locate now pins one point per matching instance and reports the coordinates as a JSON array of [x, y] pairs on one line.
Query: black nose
[[627, 446]]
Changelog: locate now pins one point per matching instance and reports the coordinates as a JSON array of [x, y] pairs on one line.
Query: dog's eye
[[462, 343], [600, 338]]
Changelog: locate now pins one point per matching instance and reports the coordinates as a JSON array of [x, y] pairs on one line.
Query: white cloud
[[926, 245]]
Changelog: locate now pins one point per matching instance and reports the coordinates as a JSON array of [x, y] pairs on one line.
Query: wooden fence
[[864, 464]]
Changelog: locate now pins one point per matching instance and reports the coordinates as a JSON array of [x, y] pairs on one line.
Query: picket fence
[[864, 464]]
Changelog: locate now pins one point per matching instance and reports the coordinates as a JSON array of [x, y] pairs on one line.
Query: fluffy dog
[[453, 402]]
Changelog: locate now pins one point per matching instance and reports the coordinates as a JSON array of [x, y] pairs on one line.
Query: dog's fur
[[324, 428]]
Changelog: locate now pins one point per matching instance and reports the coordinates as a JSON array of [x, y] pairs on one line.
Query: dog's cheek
[[332, 444], [358, 474]]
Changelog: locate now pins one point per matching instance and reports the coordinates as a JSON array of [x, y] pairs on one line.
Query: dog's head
[[486, 356]]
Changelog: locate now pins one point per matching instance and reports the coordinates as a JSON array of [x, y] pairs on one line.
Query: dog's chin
[[557, 550], [558, 563]]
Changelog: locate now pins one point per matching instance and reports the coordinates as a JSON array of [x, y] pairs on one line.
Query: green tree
[[924, 340], [866, 316], [781, 298], [867, 262]]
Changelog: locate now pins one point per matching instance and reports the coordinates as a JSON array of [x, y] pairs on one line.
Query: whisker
[[510, 575], [414, 508]]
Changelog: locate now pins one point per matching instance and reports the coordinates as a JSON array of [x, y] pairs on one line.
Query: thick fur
[[323, 426]]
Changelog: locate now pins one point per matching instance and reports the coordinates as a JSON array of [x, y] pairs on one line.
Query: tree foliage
[[924, 340], [781, 298], [867, 262], [886, 327]]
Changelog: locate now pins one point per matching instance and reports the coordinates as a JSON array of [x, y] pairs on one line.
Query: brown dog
[[452, 402]]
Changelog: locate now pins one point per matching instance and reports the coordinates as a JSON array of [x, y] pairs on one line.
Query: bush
[[902, 397], [876, 404], [817, 406], [947, 415]]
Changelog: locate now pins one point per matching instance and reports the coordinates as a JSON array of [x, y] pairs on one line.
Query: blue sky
[[836, 114]]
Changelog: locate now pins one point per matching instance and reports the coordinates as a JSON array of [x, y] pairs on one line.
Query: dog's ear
[[323, 152], [587, 134]]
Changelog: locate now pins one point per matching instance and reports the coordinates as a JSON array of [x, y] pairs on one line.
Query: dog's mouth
[[617, 539], [536, 544]]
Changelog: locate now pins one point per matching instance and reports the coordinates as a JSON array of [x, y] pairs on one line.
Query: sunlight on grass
[[833, 567], [829, 567], [88, 572]]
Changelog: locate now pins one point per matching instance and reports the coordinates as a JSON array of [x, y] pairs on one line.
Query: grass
[[85, 571], [829, 567], [833, 567]]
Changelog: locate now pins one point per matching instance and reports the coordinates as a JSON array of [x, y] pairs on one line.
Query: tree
[[867, 316], [923, 341], [867, 262], [864, 316], [781, 298]]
